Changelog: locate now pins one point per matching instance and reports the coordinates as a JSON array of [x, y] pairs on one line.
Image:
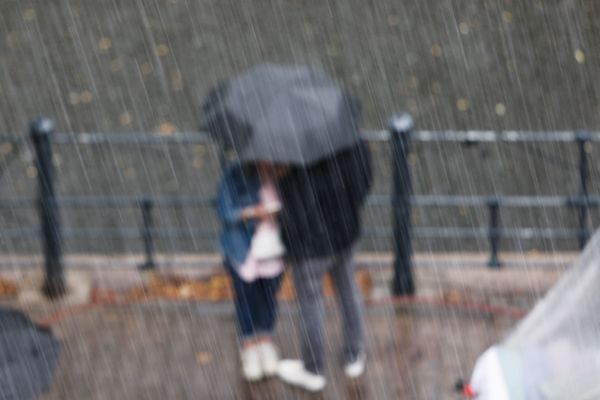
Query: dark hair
[[250, 168]]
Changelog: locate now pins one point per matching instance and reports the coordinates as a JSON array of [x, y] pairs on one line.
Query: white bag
[[266, 242]]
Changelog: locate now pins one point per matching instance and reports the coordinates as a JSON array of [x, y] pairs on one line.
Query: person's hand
[[260, 211], [248, 213]]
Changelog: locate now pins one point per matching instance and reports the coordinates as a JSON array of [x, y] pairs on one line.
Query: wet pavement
[[176, 349], [179, 350]]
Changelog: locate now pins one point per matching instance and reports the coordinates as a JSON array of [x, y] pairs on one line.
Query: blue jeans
[[255, 304]]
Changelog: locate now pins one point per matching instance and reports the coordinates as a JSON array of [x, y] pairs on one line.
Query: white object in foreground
[[554, 352], [488, 379]]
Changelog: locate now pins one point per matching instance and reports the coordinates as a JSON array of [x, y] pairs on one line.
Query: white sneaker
[[269, 358], [356, 368], [293, 372], [251, 364]]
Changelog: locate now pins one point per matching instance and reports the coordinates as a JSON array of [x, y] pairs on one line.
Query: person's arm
[[226, 210], [357, 173], [259, 211], [228, 207]]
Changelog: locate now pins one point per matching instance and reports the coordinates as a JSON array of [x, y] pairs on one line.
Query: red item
[[468, 391]]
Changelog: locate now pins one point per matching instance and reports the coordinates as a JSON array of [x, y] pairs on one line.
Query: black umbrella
[[28, 357], [282, 114]]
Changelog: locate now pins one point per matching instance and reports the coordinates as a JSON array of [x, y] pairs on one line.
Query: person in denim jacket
[[240, 211]]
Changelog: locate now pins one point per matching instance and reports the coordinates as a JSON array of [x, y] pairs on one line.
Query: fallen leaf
[[204, 358]]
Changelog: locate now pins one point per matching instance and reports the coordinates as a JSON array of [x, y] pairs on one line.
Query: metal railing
[[401, 135]]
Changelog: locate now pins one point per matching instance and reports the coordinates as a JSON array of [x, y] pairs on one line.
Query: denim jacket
[[238, 189]]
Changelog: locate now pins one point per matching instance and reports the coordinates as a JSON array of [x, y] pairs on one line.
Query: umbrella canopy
[[28, 357], [554, 352], [282, 114]]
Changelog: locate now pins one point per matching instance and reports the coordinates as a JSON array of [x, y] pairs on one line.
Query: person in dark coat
[[320, 223]]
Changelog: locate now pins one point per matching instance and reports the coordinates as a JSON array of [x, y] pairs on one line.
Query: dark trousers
[[255, 304], [308, 280]]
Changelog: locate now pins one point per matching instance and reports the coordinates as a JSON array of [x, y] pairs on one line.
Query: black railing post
[[583, 142], [400, 129], [494, 233], [147, 227], [41, 131]]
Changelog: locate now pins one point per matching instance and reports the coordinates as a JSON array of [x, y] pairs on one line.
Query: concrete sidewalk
[[187, 350]]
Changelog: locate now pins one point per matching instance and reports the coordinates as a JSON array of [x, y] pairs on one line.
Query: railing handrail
[[460, 136], [91, 201]]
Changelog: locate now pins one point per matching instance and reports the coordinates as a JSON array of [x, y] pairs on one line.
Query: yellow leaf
[[147, 68], [6, 148], [29, 14], [86, 96], [31, 171], [162, 50], [462, 104], [204, 358], [115, 65], [105, 43], [166, 128], [125, 118], [500, 109]]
